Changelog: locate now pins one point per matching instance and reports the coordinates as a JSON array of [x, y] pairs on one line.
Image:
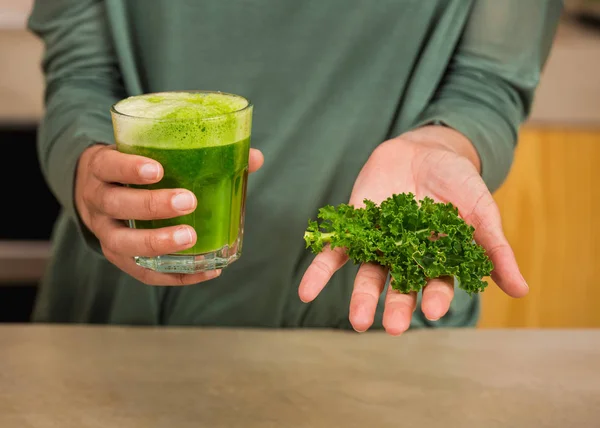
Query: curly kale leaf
[[415, 240]]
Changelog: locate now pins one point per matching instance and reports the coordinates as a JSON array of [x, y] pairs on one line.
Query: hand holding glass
[[202, 141]]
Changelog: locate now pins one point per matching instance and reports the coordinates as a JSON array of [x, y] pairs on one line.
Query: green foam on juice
[[182, 119]]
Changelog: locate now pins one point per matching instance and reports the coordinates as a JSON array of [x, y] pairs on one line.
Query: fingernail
[[149, 171], [433, 315], [524, 282], [182, 237], [183, 201]]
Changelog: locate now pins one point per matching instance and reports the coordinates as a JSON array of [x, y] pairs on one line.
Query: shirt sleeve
[[81, 83], [488, 88]]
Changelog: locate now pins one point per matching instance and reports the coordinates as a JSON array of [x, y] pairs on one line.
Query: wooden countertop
[[97, 376]]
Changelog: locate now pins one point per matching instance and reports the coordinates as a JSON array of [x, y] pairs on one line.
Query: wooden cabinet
[[550, 207]]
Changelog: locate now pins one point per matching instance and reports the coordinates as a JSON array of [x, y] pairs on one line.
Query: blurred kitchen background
[[550, 203]]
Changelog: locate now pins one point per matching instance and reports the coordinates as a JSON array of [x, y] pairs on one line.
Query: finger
[[320, 271], [255, 161], [398, 311], [485, 217], [111, 166], [368, 286], [437, 297], [129, 242], [126, 203], [149, 277]]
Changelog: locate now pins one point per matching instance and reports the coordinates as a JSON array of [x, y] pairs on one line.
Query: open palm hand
[[425, 168]]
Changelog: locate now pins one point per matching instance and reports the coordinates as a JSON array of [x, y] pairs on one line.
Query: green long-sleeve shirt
[[330, 80]]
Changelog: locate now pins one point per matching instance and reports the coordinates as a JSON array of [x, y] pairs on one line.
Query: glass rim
[[248, 106]]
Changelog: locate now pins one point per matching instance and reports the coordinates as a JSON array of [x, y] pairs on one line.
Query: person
[[353, 99]]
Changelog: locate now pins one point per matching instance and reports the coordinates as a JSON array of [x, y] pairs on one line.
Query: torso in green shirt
[[330, 80]]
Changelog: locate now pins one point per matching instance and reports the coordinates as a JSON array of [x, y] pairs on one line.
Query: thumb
[[485, 218], [256, 160]]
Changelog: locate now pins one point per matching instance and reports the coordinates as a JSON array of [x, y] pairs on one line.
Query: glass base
[[192, 263]]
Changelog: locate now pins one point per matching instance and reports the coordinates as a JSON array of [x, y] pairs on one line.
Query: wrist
[[446, 138]]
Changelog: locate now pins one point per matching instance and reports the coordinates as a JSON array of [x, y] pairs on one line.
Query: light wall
[[21, 82]]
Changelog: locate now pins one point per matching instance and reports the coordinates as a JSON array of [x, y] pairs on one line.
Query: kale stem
[[326, 237]]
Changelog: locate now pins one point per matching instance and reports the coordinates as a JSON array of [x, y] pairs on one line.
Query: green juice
[[202, 141], [217, 175]]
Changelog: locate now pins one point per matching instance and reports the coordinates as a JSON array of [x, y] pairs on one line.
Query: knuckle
[[151, 203], [441, 289], [95, 226], [89, 194], [340, 254], [180, 279], [129, 168], [363, 295], [484, 214], [111, 241], [97, 198], [364, 286], [95, 161], [107, 252], [323, 267], [152, 243], [111, 256], [372, 275], [126, 168], [499, 248], [145, 277], [108, 201], [87, 198], [470, 186]]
